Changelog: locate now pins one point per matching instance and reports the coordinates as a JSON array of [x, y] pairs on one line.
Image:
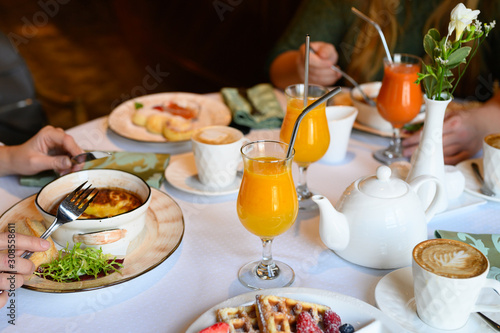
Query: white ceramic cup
[[217, 155], [445, 296], [491, 162], [340, 121]]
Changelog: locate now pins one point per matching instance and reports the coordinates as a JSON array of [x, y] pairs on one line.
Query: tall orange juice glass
[[399, 101], [267, 206], [313, 136]]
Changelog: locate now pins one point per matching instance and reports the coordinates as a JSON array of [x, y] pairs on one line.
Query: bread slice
[[36, 228]]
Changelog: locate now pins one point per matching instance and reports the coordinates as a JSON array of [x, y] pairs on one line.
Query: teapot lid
[[382, 185]]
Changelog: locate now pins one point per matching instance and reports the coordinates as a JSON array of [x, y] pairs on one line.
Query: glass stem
[[302, 190], [267, 269], [396, 142]]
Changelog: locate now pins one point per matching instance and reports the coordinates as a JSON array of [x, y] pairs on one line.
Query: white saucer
[[394, 296], [472, 185], [181, 173]]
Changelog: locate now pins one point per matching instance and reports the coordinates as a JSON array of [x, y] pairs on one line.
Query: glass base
[[255, 275], [304, 195], [387, 156]]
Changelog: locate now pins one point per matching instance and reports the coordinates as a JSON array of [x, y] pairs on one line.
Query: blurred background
[[87, 56]]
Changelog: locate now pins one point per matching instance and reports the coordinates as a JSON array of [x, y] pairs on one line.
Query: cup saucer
[[394, 296], [181, 173], [472, 185]]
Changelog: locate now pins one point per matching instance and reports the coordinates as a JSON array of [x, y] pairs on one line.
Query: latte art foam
[[450, 258]]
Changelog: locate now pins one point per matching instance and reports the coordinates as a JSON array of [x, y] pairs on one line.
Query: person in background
[[342, 39], [49, 149]]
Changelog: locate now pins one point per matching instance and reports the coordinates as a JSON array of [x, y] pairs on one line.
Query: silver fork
[[69, 210]]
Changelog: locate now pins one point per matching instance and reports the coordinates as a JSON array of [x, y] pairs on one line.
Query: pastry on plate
[[36, 228]]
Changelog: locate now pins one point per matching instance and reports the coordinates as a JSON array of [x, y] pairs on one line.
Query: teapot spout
[[333, 226]]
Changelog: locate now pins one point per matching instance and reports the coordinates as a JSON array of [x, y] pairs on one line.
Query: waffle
[[279, 314], [240, 319]]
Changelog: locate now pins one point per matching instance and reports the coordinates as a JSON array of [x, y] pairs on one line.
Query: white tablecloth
[[203, 270]]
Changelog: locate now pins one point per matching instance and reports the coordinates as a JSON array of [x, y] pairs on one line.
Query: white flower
[[461, 17]]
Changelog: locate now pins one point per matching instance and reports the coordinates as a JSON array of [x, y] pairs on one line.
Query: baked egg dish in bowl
[[115, 217]]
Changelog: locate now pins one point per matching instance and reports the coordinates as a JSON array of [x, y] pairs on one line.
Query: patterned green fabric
[[488, 244], [148, 166], [256, 107]]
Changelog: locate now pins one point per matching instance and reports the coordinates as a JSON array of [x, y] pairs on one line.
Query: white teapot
[[378, 220]]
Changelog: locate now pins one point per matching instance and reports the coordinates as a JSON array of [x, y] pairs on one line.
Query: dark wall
[[205, 44]]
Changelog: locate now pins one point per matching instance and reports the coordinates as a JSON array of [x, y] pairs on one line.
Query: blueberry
[[346, 328]]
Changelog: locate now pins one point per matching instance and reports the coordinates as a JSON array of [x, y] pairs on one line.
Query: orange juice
[[313, 136], [267, 203], [400, 98]]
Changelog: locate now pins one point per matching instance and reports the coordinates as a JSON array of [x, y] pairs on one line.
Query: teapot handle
[[439, 195]]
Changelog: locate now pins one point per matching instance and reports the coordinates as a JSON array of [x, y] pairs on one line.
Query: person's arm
[[12, 266], [463, 131], [49, 149], [289, 67]]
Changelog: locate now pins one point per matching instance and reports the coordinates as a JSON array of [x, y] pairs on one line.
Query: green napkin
[[488, 244], [256, 107], [148, 166]]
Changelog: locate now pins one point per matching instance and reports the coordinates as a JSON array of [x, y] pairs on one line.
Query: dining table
[[202, 271]]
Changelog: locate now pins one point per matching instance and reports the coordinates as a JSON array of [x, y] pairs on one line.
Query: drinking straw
[[306, 74], [320, 100], [367, 19]]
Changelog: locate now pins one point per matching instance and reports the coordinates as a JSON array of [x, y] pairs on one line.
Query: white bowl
[[112, 234], [368, 115]]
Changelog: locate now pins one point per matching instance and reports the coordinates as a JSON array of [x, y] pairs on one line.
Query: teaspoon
[[484, 189]]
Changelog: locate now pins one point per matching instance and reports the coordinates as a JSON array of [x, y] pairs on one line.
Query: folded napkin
[[488, 244], [256, 107], [148, 166]]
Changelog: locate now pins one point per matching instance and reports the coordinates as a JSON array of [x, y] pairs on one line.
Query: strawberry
[[331, 321], [305, 324], [217, 328]]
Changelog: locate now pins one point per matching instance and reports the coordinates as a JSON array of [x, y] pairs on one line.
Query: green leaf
[[458, 57], [138, 105], [434, 33], [429, 45]]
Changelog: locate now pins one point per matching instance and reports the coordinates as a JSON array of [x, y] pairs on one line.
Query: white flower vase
[[428, 158]]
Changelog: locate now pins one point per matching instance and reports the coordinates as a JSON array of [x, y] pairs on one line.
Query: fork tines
[[82, 197]]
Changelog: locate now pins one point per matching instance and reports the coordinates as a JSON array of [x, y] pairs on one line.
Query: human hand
[[461, 137], [50, 148], [320, 63], [12, 266]]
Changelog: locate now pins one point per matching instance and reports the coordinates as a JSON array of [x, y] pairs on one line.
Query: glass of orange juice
[[313, 136], [399, 101], [267, 206]]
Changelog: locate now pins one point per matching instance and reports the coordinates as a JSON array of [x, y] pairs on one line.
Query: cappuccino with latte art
[[447, 278], [450, 258]]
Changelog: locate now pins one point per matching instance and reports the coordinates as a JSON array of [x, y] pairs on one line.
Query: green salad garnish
[[138, 105], [72, 264]]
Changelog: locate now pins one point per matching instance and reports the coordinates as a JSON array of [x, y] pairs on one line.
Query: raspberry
[[331, 322], [305, 324], [217, 328]]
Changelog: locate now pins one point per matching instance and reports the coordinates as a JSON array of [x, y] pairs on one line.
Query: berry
[[346, 328], [331, 322], [217, 328], [305, 323]]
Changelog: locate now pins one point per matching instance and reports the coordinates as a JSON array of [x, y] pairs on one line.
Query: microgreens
[[71, 264]]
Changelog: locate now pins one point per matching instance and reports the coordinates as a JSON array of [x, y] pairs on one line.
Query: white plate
[[162, 235], [212, 112], [394, 296], [181, 173], [472, 185], [351, 310]]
